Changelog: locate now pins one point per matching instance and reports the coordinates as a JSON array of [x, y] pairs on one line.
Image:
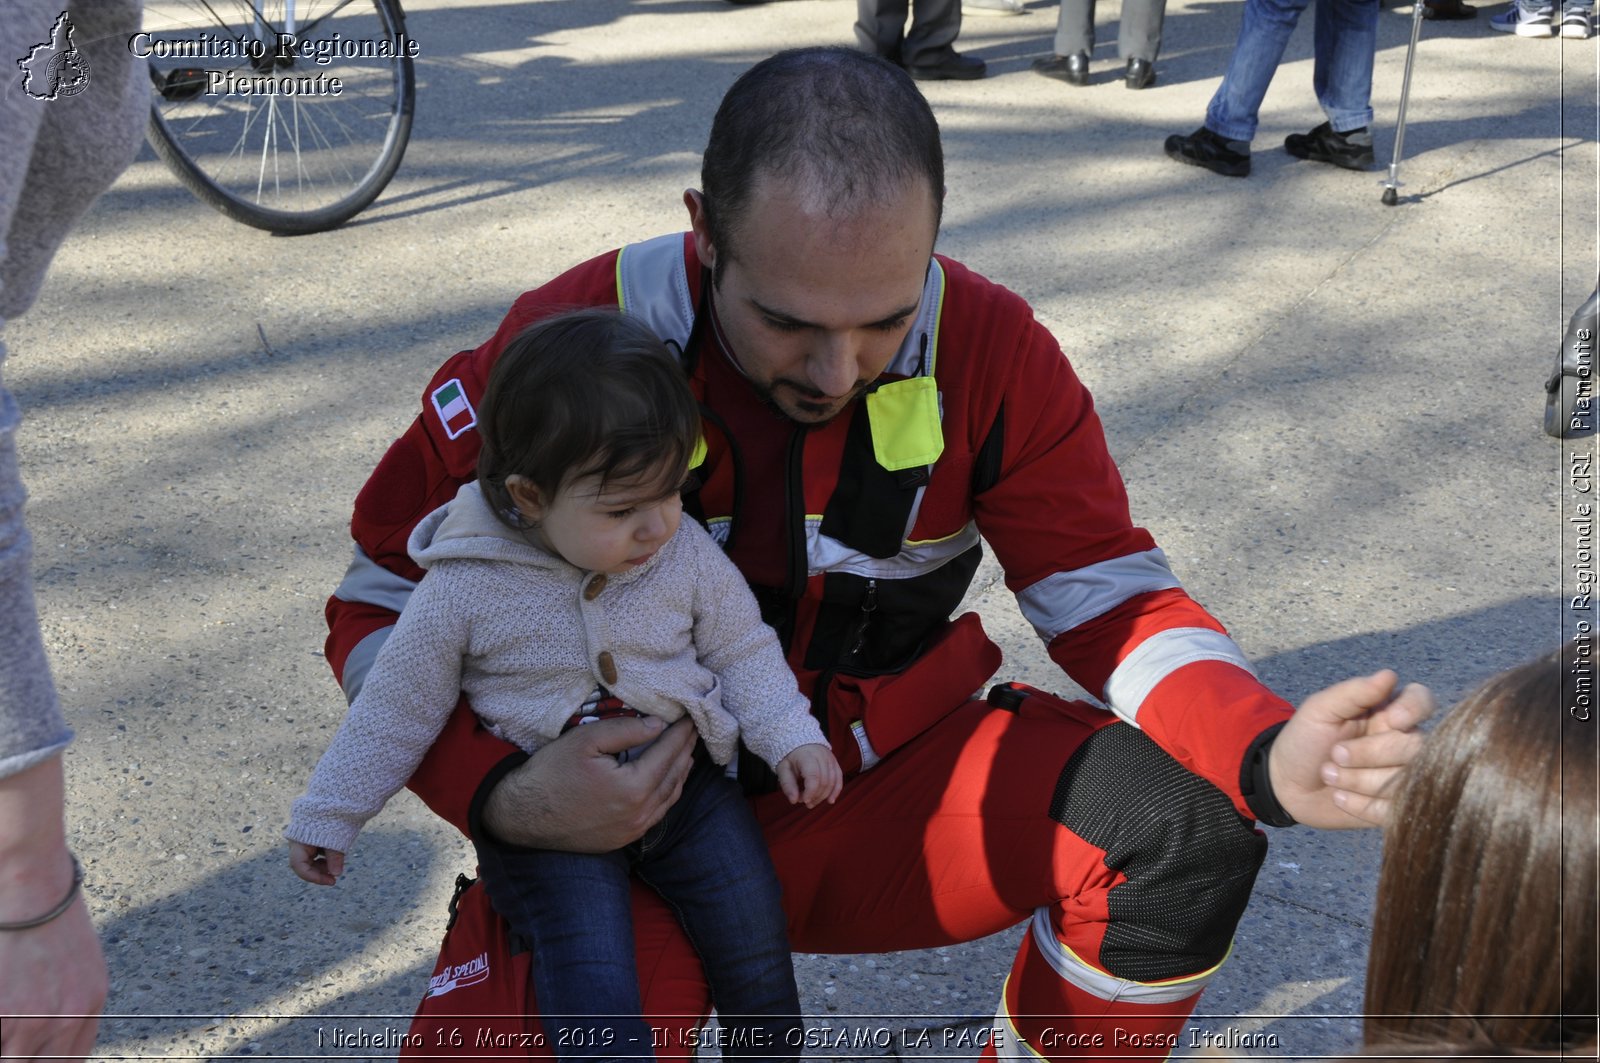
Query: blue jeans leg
[[1346, 40], [574, 910], [709, 861], [1264, 33]]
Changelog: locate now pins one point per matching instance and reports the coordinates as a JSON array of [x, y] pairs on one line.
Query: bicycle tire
[[289, 163]]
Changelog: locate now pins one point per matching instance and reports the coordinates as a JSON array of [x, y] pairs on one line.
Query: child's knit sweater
[[528, 637]]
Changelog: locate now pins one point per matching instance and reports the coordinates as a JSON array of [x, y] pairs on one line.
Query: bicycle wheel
[[288, 115]]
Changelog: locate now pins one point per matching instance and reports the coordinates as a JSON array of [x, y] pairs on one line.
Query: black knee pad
[[1189, 857]]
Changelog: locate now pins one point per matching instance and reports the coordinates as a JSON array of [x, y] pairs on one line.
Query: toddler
[[563, 585]]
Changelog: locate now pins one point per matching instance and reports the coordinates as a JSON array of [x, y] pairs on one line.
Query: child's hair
[[587, 393], [1484, 936]]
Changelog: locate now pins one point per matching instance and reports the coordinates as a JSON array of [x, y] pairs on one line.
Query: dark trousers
[[1138, 38], [708, 861], [881, 28]]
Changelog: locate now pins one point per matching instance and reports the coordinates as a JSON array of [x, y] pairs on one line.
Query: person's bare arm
[[56, 969], [572, 795]]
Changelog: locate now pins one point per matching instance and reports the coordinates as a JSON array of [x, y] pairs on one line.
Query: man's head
[[823, 185], [841, 128]]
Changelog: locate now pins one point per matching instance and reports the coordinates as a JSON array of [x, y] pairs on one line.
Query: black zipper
[[869, 604], [795, 503]]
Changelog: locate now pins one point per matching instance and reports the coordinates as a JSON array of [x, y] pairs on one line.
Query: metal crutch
[[1390, 195]]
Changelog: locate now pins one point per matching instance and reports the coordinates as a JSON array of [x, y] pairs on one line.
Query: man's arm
[[1095, 586], [572, 794]]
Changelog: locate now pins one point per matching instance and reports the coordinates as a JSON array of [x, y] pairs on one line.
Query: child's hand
[[316, 864], [813, 766]]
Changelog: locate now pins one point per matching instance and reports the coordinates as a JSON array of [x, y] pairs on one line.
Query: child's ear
[[526, 497]]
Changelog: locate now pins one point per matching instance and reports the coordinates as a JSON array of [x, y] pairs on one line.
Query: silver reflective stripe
[[827, 554], [1008, 1041], [911, 359], [368, 582], [916, 505], [653, 284], [1063, 600], [1158, 657], [1109, 987], [359, 663], [869, 756]]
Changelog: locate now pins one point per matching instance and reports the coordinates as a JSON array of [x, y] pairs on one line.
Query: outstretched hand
[[1337, 760], [573, 795]]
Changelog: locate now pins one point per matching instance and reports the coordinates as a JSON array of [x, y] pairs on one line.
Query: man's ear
[[704, 250], [526, 497]]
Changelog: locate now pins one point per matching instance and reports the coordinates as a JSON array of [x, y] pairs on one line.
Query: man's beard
[[767, 393]]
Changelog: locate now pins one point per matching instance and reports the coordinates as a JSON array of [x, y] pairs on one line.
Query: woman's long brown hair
[[1485, 932]]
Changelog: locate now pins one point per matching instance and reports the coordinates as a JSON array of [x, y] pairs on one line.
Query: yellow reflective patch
[[905, 423], [697, 457]]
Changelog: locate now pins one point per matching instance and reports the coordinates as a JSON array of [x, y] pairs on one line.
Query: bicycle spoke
[[314, 23]]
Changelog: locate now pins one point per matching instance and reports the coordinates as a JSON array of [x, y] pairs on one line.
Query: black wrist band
[[66, 902], [1255, 783], [475, 826]]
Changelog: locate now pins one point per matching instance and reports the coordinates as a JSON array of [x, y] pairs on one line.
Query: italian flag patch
[[455, 412]]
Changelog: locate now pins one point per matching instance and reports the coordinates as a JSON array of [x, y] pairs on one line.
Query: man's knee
[[1188, 859]]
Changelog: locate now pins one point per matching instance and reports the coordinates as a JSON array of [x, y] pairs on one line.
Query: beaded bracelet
[[66, 902]]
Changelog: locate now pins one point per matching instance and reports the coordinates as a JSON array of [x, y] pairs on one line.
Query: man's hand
[[1336, 761], [572, 794]]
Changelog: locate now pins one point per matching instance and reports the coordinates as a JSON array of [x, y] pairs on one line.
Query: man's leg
[[1346, 41], [1075, 27], [710, 864], [1133, 872], [935, 25], [881, 26], [1263, 34], [1139, 33]]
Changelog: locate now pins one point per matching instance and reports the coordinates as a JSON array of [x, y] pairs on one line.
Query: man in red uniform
[[871, 409]]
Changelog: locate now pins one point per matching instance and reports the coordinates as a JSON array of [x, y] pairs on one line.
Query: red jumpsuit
[[1131, 849]]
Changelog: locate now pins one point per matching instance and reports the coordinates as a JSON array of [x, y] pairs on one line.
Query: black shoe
[[1141, 74], [1352, 150], [1231, 158], [1073, 69], [952, 66], [1448, 10]]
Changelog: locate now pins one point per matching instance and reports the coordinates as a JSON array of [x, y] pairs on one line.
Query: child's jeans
[[708, 860]]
